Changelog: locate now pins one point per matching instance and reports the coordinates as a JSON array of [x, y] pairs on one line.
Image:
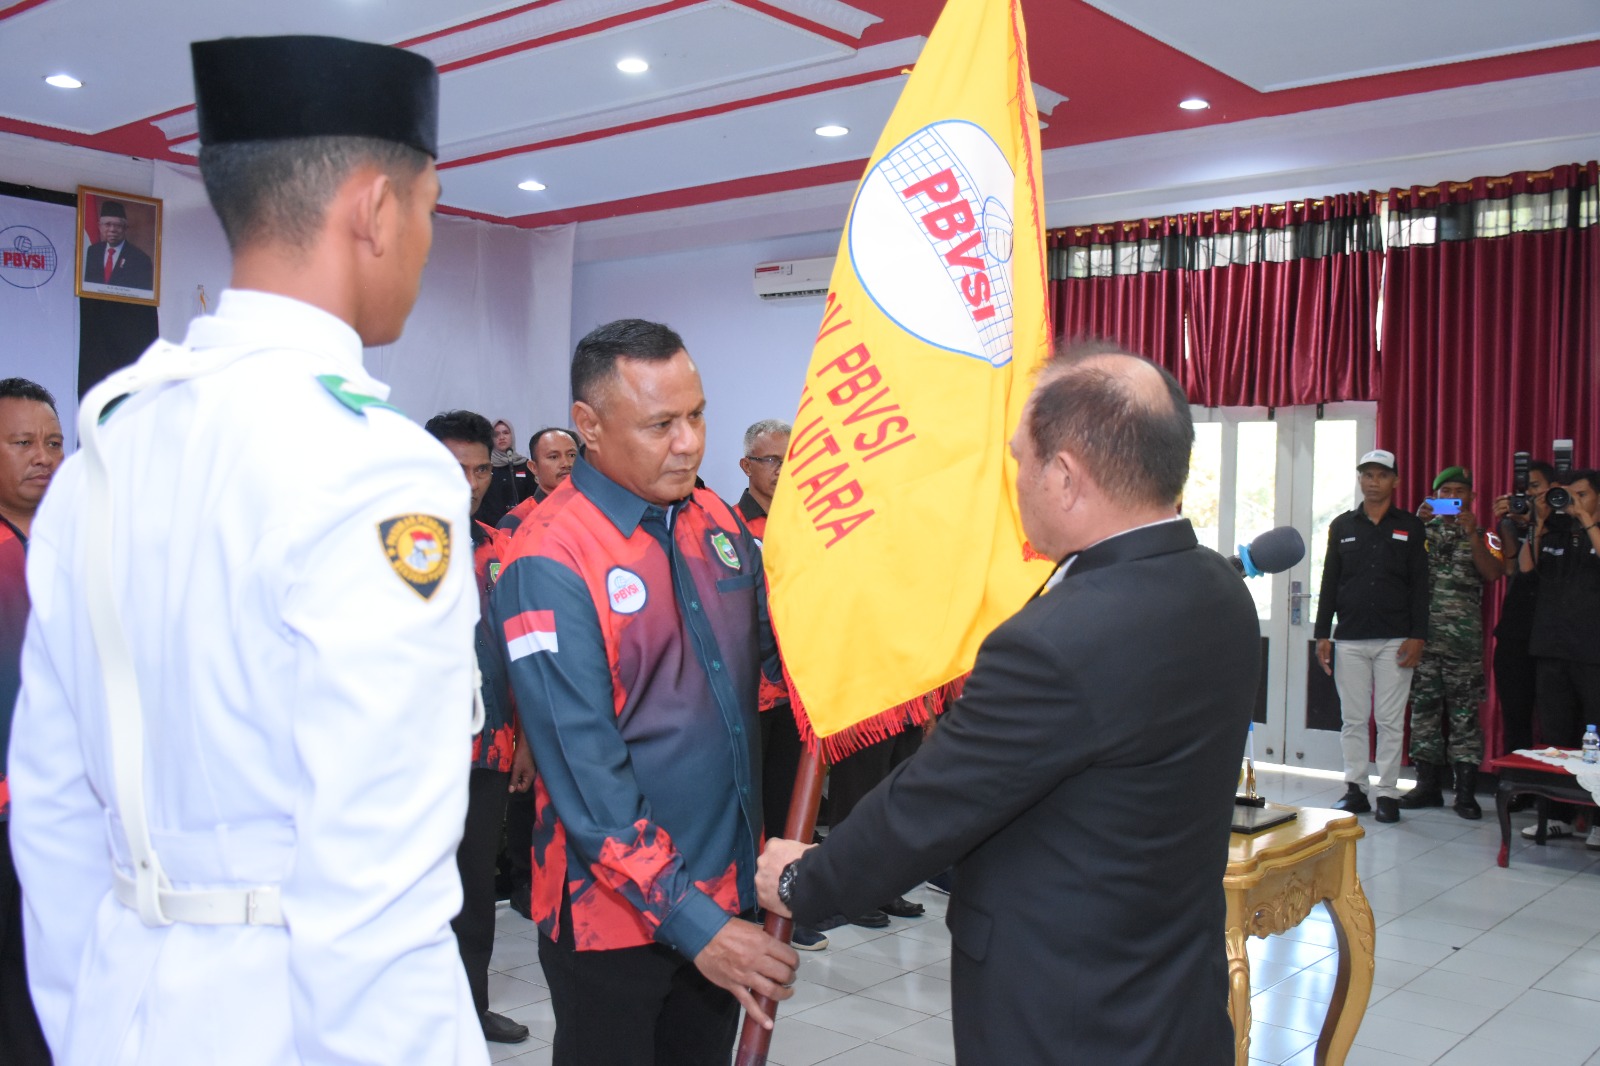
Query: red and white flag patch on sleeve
[[529, 632]]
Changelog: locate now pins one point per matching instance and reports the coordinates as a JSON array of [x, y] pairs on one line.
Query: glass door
[[1254, 469]]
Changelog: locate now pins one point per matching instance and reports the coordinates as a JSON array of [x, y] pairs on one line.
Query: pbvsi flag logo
[[894, 543], [935, 212]]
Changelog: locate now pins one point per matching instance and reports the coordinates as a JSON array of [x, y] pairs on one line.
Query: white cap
[[1379, 456]]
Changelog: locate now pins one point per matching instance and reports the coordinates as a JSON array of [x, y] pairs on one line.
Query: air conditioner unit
[[794, 278]]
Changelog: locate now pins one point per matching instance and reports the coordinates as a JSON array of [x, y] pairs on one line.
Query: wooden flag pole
[[807, 797]]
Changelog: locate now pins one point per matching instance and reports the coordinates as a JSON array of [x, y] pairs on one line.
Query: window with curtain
[[1270, 305]]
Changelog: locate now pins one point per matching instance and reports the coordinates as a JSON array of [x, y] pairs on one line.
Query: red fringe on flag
[[913, 713]]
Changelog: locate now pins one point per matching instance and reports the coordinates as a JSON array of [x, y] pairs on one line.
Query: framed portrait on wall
[[119, 246]]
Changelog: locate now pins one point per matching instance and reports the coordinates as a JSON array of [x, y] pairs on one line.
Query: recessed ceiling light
[[1194, 103], [632, 65], [832, 131], [530, 186], [63, 81]]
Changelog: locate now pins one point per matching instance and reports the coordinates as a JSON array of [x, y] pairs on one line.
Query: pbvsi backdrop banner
[[38, 311], [894, 545]]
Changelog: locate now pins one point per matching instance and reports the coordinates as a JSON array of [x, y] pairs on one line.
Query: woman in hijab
[[512, 482]]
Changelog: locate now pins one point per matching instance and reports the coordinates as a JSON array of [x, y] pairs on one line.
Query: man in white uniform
[[273, 881]]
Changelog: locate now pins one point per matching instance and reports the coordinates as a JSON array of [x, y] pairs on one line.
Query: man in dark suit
[[112, 260], [1083, 786]]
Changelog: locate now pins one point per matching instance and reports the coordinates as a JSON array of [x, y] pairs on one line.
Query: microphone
[[1272, 552]]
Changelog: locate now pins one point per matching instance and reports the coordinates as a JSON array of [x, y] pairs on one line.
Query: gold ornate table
[[1274, 878]]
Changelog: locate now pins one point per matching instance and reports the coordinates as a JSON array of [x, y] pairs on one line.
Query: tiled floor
[[1476, 965]]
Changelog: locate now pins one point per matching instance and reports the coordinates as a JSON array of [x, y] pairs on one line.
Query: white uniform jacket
[[307, 696]]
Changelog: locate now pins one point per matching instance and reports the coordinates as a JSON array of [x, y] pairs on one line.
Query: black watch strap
[[786, 881]]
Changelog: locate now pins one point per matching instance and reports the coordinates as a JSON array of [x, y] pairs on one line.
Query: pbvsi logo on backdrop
[[930, 239], [27, 258]]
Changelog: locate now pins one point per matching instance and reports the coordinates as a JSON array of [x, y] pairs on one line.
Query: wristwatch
[[786, 881]]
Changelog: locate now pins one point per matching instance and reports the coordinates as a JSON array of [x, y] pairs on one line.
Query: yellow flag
[[894, 544]]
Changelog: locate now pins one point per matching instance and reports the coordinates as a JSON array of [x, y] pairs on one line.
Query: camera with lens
[[1558, 498], [1519, 502]]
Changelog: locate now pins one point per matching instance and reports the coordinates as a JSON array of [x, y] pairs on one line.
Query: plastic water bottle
[[1591, 746]]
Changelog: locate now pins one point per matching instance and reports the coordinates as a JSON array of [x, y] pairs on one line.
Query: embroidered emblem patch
[[625, 590], [494, 573], [418, 547], [725, 552]]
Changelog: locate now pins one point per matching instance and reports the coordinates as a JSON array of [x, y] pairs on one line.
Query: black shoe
[[1466, 784], [869, 920], [502, 1030], [900, 907], [1427, 793], [804, 938], [1388, 809], [1354, 801]]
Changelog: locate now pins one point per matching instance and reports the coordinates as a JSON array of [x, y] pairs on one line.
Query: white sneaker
[[1593, 843], [1552, 829]]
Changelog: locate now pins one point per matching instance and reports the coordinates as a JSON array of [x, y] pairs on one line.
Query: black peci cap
[[275, 88], [112, 209]]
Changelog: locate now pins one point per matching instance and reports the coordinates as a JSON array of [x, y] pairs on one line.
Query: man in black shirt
[[1375, 579], [1566, 620]]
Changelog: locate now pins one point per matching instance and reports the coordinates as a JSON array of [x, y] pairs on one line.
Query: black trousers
[[21, 1040], [516, 860], [643, 1006], [480, 841], [1514, 684], [1568, 692], [780, 761], [852, 777]]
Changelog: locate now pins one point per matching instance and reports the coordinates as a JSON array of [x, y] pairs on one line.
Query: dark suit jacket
[[1083, 788], [133, 268]]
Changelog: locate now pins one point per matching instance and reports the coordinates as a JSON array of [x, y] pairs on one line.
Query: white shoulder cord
[[124, 709]]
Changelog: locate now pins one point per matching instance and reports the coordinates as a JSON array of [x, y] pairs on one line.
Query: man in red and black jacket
[[552, 452], [30, 451], [633, 612], [497, 766]]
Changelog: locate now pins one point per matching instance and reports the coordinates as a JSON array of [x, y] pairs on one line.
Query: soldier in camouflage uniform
[[1449, 680]]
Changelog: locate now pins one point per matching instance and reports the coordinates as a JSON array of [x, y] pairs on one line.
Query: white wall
[[489, 331], [752, 354]]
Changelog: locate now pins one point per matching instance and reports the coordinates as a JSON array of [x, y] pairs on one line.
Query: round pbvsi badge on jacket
[[418, 546]]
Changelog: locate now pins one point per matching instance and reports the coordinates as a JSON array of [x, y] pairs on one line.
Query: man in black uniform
[[1376, 580]]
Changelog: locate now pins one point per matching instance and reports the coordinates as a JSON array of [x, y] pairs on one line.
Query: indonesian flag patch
[[418, 547], [1401, 534], [529, 632]]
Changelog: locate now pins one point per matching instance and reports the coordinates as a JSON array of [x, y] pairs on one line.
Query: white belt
[[223, 906]]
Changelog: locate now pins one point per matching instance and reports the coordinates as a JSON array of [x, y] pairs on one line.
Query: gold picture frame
[[120, 262]]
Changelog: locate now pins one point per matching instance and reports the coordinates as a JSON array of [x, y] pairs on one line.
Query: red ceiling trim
[[676, 117], [734, 189], [801, 22], [586, 30], [450, 31], [43, 133], [19, 8]]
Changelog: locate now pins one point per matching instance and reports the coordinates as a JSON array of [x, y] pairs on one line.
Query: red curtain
[[1491, 332], [1140, 310], [1279, 300]]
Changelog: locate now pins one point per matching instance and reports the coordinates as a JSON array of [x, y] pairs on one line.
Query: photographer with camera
[[1564, 551], [1513, 664]]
